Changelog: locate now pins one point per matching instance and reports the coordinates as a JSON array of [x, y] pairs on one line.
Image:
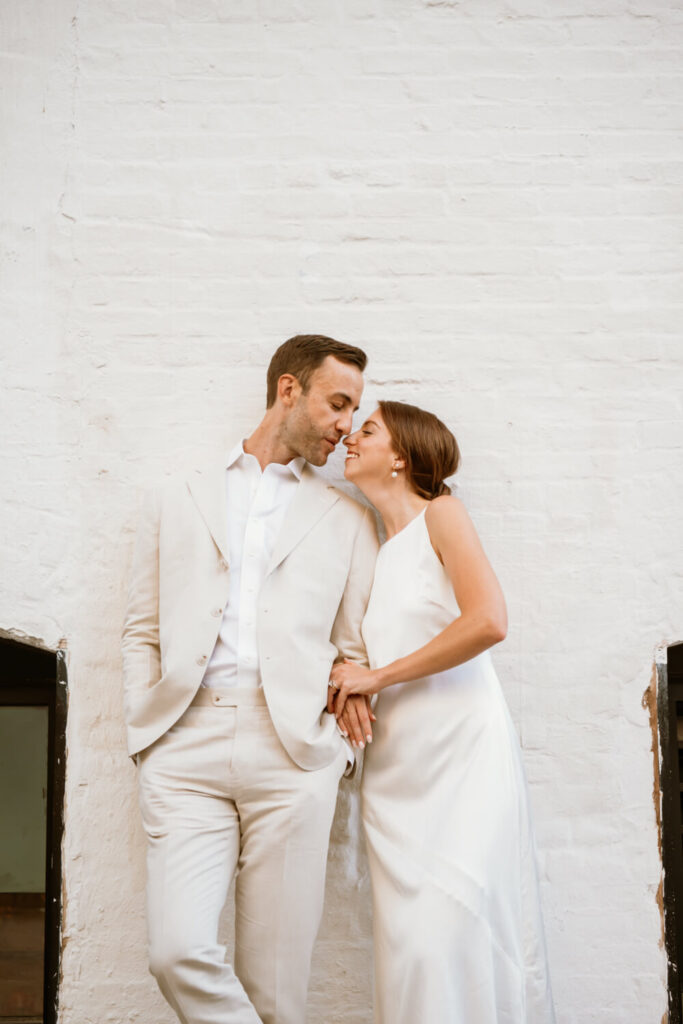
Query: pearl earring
[[394, 473]]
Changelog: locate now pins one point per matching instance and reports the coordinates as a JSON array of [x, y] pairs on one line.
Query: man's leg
[[286, 815], [193, 837]]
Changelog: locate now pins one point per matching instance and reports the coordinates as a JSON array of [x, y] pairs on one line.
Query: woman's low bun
[[426, 445]]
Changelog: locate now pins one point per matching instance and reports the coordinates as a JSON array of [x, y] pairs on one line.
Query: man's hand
[[356, 719]]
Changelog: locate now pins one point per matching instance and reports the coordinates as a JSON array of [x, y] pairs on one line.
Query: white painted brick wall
[[488, 198]]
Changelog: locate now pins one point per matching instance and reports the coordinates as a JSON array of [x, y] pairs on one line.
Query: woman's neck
[[396, 505]]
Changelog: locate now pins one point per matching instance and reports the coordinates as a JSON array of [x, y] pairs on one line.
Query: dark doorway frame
[[670, 721], [30, 674]]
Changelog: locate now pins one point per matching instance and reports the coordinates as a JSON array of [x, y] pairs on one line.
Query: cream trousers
[[220, 795]]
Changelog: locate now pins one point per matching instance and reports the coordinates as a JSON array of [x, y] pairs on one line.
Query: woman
[[458, 930]]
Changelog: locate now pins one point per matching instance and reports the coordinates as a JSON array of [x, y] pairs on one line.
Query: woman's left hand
[[348, 677]]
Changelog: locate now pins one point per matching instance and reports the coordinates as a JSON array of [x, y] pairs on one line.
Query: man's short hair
[[303, 354]]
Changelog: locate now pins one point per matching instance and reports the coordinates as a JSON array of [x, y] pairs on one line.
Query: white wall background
[[487, 197]]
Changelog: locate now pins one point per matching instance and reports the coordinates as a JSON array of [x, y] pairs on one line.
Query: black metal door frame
[[30, 675], [670, 719]]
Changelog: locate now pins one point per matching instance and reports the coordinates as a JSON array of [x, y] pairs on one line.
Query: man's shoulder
[[351, 505], [345, 495], [357, 514], [356, 522], [177, 481]]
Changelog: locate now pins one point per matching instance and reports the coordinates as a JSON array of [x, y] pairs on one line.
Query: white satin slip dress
[[458, 932]]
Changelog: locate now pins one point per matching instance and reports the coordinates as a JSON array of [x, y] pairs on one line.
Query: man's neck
[[266, 444]]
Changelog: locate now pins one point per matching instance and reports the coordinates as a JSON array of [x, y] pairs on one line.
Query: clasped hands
[[348, 699]]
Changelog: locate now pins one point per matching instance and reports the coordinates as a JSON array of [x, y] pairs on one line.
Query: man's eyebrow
[[347, 399]]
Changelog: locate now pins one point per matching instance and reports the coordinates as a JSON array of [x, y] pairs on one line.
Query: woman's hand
[[356, 720], [348, 678]]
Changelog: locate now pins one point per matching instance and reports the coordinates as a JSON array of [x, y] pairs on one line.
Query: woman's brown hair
[[426, 445]]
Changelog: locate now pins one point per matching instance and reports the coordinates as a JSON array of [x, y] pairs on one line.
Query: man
[[249, 581]]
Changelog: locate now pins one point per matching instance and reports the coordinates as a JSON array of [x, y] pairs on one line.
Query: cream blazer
[[310, 608]]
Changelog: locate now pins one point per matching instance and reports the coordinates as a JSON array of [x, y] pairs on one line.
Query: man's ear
[[288, 389]]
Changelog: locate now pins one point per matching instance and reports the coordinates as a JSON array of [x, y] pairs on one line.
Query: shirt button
[[201, 660]]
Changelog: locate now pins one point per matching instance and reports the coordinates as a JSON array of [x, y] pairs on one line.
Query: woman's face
[[370, 452]]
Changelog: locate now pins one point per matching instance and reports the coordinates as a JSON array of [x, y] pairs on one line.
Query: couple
[[252, 619]]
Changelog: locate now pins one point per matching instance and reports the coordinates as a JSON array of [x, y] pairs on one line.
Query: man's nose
[[344, 422]]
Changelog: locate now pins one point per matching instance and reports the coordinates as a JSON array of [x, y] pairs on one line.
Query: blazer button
[[201, 660], [216, 612]]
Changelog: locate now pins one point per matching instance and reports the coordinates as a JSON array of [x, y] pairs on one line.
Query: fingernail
[[369, 738], [344, 733], [361, 744]]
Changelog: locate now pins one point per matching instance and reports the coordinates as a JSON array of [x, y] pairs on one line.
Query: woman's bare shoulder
[[445, 511]]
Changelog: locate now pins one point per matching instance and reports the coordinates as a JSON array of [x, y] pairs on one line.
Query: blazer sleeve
[[140, 642], [346, 634]]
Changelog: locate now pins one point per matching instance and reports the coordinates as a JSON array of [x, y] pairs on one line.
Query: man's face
[[322, 416]]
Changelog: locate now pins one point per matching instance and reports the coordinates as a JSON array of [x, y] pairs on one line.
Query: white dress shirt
[[256, 505]]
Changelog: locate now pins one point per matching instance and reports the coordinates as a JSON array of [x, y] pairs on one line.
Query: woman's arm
[[482, 621]]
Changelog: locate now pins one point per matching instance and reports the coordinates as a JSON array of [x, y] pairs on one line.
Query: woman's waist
[[474, 683], [478, 667]]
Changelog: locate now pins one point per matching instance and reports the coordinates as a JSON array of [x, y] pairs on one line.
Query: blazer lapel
[[207, 487], [312, 499]]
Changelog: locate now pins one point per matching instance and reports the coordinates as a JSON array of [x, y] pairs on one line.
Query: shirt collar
[[295, 466]]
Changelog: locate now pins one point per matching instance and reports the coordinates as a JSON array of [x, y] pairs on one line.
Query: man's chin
[[318, 458], [319, 455]]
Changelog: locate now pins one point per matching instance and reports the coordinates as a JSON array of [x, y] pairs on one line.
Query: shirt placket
[[253, 558]]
